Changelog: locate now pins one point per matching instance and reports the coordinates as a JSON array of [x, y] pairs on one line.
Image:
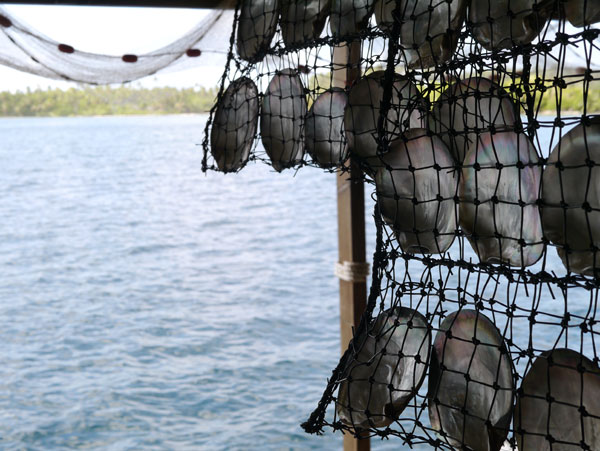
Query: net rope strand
[[477, 129]]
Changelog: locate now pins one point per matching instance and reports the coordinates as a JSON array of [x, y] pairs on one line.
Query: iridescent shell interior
[[362, 114], [302, 20], [459, 407], [556, 375], [499, 189], [325, 137], [282, 120], [571, 198], [234, 125], [256, 28], [378, 379], [500, 24], [467, 108], [416, 190]]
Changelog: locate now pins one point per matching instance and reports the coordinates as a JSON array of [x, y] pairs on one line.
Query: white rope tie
[[352, 271]]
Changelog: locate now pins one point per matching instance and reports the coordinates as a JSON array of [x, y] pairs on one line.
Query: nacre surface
[[282, 119], [468, 107], [256, 28], [428, 31], [362, 114], [234, 125], [377, 379], [415, 198], [555, 375], [571, 198], [325, 137], [500, 24], [348, 17], [302, 20], [469, 344], [499, 190]]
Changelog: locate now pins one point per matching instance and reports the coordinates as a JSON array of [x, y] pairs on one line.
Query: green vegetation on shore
[[103, 100]]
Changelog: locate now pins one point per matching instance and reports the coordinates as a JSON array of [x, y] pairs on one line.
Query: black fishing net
[[473, 123]]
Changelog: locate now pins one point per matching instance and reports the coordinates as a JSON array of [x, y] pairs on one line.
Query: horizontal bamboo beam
[[192, 4]]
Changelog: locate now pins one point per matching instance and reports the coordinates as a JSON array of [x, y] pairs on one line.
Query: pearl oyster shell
[[428, 31], [349, 17], [362, 114], [468, 107], [282, 120], [459, 407], [415, 198], [574, 230], [497, 226], [256, 27], [398, 330], [325, 137], [234, 125], [302, 20], [555, 374], [521, 27]]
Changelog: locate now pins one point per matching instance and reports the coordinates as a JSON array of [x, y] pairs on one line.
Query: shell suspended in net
[[470, 384], [572, 382], [582, 12], [363, 111], [429, 29], [282, 120], [349, 17], [468, 107], [234, 126], [571, 198], [387, 369], [502, 24], [325, 137], [256, 27], [302, 20], [499, 189], [416, 190]]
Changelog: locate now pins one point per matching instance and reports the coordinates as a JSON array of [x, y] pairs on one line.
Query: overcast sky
[[113, 31]]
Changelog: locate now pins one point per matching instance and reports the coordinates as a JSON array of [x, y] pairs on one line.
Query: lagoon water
[[145, 305]]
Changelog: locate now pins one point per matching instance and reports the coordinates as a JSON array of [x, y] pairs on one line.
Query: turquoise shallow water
[[145, 305]]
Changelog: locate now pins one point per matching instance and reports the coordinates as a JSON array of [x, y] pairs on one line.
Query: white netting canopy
[[28, 50]]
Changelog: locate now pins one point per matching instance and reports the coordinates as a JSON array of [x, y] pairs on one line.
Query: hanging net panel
[[475, 125], [26, 49]]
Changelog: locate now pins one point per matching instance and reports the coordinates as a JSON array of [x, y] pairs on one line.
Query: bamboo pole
[[351, 224]]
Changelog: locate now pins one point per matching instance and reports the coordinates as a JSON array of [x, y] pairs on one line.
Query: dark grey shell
[[234, 125], [428, 31], [407, 110], [282, 119], [429, 225], [555, 375], [350, 16], [528, 19], [256, 27], [458, 409], [302, 20], [499, 229], [582, 12], [325, 137], [381, 381], [576, 227], [468, 107]]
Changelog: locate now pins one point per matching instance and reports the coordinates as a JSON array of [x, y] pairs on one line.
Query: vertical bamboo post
[[351, 223]]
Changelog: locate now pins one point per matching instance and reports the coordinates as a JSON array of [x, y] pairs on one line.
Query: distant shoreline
[[204, 113]]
